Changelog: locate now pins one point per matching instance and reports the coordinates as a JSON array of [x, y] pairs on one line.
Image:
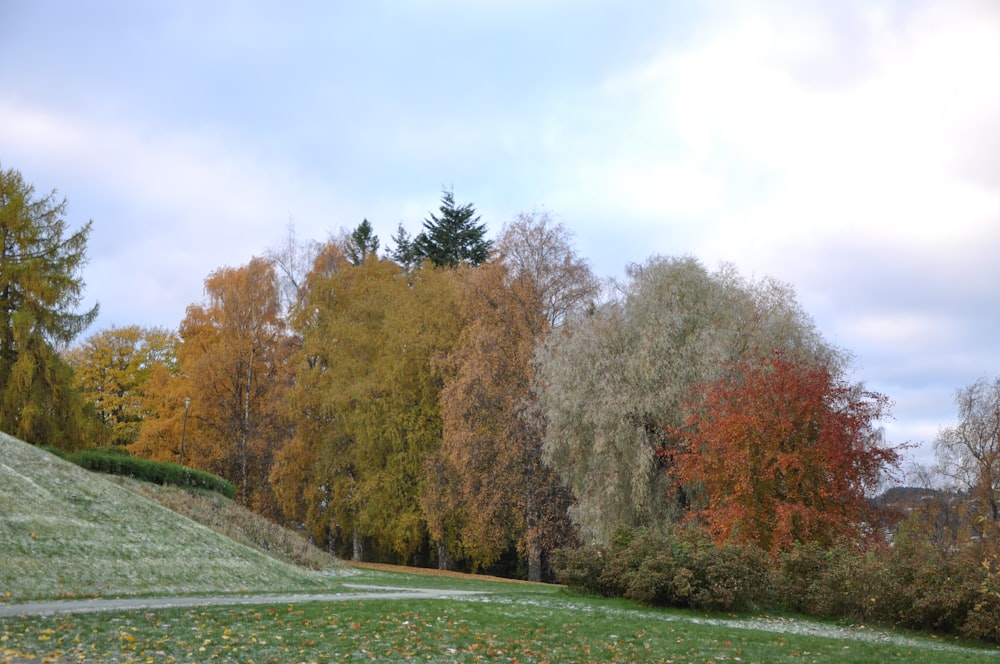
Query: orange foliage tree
[[489, 469], [233, 365], [781, 451]]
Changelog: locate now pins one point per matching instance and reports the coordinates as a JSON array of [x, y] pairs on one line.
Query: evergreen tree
[[361, 243], [454, 237], [405, 253], [40, 288]]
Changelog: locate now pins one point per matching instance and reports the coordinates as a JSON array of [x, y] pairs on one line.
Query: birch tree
[[233, 357], [968, 454]]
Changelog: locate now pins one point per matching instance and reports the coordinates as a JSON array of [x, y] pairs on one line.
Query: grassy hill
[[67, 532]]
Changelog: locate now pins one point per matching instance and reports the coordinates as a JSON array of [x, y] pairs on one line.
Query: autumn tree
[[312, 474], [112, 369], [968, 454], [780, 451], [292, 259], [492, 428], [454, 237], [40, 290], [610, 382], [233, 363], [366, 400]]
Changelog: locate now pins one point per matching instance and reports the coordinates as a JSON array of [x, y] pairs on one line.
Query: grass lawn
[[507, 623]]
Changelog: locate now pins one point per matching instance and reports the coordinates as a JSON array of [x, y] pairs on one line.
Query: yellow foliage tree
[[366, 402], [112, 369]]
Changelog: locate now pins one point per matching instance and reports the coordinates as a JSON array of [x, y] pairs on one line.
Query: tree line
[[455, 400]]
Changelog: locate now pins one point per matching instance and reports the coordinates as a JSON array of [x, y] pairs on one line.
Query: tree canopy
[[113, 367], [365, 402], [780, 452], [457, 399], [40, 289], [361, 243], [612, 383], [493, 429]]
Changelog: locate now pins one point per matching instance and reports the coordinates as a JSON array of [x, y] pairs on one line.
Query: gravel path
[[138, 603]]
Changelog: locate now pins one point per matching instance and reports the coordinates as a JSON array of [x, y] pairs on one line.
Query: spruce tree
[[361, 243], [454, 237], [405, 253]]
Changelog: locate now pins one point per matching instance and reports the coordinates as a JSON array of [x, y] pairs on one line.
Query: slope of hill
[[67, 532]]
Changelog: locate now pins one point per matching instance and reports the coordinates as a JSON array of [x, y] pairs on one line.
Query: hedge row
[[911, 584], [116, 462]]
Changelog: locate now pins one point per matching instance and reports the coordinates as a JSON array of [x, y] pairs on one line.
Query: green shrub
[[682, 569], [912, 584], [732, 577], [146, 470], [580, 569], [934, 589], [62, 454], [798, 573]]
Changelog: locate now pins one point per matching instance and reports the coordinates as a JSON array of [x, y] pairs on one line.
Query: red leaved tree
[[781, 451]]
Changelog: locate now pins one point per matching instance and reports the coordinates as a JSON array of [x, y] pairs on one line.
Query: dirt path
[[139, 603]]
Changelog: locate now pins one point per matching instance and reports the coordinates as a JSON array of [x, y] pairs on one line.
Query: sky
[[849, 148]]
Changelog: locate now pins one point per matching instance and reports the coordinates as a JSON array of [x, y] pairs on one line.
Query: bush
[[146, 470], [912, 584], [681, 569], [581, 569]]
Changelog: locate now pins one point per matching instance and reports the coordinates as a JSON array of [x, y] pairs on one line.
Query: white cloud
[[184, 204]]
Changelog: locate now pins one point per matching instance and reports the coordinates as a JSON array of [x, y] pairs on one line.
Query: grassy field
[[65, 532]]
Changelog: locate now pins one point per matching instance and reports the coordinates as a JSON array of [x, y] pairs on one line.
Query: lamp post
[[187, 404]]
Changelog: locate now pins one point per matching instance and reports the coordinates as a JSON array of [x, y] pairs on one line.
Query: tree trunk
[[534, 561], [442, 552], [359, 547]]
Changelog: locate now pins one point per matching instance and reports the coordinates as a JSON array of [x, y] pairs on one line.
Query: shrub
[[798, 572], [912, 584], [681, 569], [731, 577], [983, 619], [580, 569], [934, 589], [157, 472]]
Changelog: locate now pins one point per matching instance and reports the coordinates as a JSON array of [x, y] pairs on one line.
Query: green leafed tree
[[405, 251], [41, 288], [454, 237]]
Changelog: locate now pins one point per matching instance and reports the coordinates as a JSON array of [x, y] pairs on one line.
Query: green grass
[[509, 622], [66, 532]]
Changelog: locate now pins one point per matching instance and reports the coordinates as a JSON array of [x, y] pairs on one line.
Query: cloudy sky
[[850, 148]]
